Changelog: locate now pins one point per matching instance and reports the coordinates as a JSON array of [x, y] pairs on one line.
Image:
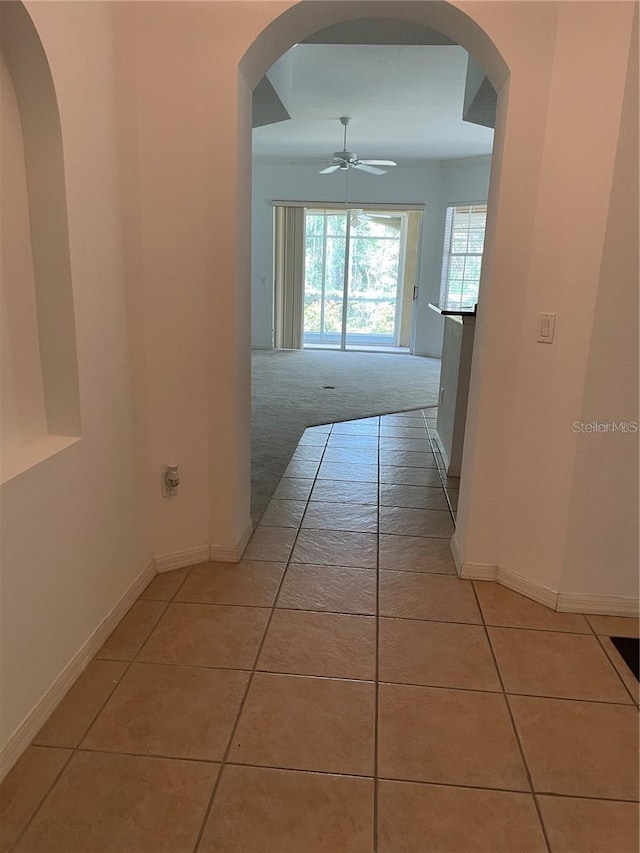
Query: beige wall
[[155, 126], [602, 526], [549, 206]]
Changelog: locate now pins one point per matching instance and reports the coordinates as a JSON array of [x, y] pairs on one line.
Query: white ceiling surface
[[405, 102]]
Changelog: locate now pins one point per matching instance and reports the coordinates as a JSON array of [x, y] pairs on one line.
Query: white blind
[[462, 258]]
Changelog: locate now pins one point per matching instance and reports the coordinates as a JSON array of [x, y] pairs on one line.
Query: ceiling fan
[[349, 160]]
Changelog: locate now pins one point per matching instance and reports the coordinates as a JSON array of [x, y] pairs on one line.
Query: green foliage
[[373, 275]]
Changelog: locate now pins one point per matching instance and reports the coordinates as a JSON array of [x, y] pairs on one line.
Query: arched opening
[[299, 23]]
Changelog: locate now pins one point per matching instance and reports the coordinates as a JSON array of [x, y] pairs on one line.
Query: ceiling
[[405, 100]]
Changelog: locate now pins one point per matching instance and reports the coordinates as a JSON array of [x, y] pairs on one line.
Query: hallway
[[340, 691]]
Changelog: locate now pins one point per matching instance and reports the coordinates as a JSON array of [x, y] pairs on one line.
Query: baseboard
[[566, 602], [605, 605], [478, 571], [180, 559], [455, 553], [223, 554], [451, 470], [536, 591], [38, 716], [438, 442], [518, 583]]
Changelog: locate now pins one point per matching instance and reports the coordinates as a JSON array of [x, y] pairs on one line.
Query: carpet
[[294, 389]]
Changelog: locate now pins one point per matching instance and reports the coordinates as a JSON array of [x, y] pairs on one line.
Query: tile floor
[[340, 690]]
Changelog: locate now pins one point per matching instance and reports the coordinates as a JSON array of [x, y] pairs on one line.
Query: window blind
[[462, 257]]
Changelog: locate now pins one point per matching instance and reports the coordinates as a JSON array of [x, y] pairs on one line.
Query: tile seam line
[[76, 748], [608, 657], [384, 778], [243, 701], [513, 725]]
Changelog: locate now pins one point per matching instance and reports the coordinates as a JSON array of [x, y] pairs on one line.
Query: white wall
[[432, 183], [72, 526]]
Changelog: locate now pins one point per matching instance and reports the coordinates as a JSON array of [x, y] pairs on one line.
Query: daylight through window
[[462, 261]]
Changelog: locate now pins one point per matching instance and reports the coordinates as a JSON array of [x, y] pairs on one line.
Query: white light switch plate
[[546, 328]]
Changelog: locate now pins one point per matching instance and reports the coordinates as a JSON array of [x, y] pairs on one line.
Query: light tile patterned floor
[[340, 690]]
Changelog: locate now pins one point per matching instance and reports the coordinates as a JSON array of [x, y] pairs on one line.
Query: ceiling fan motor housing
[[347, 156]]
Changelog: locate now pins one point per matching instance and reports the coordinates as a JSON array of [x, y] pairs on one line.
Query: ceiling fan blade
[[330, 169], [378, 162], [373, 170]]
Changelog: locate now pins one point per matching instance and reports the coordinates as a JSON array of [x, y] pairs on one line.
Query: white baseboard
[[47, 704], [518, 583], [451, 470], [566, 602], [204, 553], [605, 605], [478, 572], [222, 554], [536, 591], [180, 559], [440, 447], [455, 553]]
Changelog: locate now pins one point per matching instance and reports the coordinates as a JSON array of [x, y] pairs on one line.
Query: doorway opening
[[357, 292]]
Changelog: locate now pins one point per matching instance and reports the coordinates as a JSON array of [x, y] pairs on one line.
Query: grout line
[[75, 749], [243, 701], [43, 799], [400, 779], [513, 724], [634, 699], [439, 784]]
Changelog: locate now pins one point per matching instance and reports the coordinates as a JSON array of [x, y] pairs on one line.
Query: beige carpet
[[294, 389]]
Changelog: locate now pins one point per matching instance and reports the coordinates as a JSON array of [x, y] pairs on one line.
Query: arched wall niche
[[42, 410]]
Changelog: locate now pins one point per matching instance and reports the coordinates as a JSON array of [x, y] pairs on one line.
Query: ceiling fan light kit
[[345, 160]]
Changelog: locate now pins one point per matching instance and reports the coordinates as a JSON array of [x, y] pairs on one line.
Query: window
[[462, 262]]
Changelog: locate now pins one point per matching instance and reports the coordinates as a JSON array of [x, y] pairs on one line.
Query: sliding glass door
[[353, 265], [324, 266]]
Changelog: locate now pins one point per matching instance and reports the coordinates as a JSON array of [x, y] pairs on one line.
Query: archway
[[302, 20]]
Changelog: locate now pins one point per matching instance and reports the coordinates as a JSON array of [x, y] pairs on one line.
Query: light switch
[[546, 328]]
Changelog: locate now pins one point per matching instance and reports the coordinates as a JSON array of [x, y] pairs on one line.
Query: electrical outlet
[[170, 481]]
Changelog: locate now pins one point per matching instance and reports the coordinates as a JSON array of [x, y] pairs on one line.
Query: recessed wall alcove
[[39, 398]]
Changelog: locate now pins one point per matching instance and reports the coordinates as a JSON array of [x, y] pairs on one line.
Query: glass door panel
[[325, 245], [374, 270]]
